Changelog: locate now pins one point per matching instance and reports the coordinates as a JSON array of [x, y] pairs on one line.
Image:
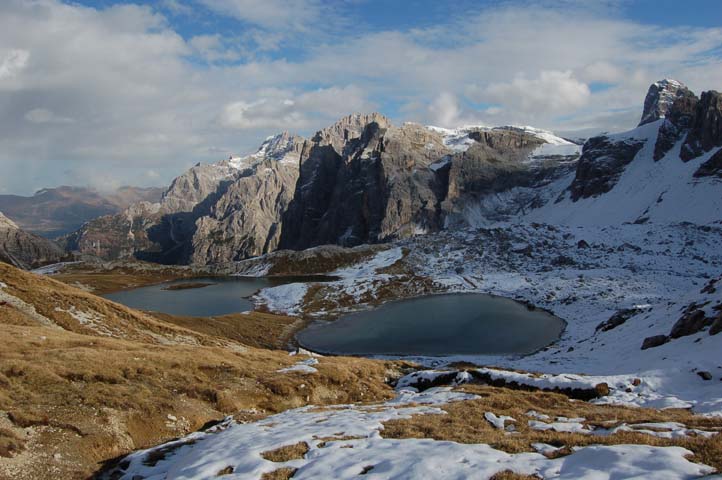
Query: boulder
[[690, 323], [654, 341], [618, 319], [716, 326]]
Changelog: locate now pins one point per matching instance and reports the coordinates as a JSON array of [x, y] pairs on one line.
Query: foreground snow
[[346, 440]]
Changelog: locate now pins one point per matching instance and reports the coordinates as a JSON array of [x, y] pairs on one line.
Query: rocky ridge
[[364, 180]]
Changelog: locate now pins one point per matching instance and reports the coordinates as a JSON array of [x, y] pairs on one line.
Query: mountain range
[[52, 212], [365, 180]]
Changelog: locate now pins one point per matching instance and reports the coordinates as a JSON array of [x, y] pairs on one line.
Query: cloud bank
[[127, 95]]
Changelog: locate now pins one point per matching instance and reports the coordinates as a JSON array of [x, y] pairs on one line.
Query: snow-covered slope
[[647, 190]]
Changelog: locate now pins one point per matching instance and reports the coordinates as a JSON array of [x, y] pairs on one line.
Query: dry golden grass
[[62, 305], [106, 280], [287, 452], [465, 423], [509, 475], [90, 398], [280, 474], [256, 329]]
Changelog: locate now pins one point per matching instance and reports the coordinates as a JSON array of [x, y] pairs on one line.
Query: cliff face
[[246, 219], [363, 180]]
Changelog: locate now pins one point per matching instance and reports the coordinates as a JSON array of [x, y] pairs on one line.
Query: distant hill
[[52, 212]]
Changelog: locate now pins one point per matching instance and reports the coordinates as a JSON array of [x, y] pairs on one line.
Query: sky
[[105, 93]]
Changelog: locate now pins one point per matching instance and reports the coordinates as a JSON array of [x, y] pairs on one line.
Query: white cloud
[[287, 14], [43, 115], [140, 100], [282, 109], [13, 62], [551, 91]]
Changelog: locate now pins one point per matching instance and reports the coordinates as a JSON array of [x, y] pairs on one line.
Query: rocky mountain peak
[[660, 98], [284, 146], [348, 128]]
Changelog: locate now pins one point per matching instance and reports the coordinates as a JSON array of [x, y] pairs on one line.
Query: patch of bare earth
[[465, 423]]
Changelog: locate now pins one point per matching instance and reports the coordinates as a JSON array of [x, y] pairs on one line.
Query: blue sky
[[110, 92]]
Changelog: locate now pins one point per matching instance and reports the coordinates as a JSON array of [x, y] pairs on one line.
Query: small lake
[[437, 325], [219, 296]]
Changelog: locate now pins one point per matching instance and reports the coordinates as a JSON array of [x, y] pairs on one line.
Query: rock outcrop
[[363, 180], [25, 250], [660, 98], [706, 128], [602, 163]]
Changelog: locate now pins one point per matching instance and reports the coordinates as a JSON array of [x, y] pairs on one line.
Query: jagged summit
[[282, 147], [660, 98]]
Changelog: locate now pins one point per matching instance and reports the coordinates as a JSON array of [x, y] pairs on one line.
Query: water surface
[[437, 325], [224, 295]]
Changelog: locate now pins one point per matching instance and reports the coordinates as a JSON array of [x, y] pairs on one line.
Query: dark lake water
[[225, 295], [437, 325]]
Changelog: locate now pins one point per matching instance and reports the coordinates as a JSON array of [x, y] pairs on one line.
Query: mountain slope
[[53, 212], [23, 249], [665, 170]]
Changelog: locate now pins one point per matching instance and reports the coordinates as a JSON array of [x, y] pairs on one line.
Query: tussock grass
[[284, 473], [287, 452], [465, 423]]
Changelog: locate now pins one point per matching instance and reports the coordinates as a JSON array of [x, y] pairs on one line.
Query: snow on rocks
[[304, 366], [663, 430], [346, 440], [498, 421], [560, 426]]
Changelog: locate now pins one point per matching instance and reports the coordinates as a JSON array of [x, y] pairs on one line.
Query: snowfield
[[345, 440]]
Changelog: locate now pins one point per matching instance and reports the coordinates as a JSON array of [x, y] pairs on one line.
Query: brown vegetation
[[78, 396], [255, 329], [465, 423], [287, 452], [280, 474], [102, 279]]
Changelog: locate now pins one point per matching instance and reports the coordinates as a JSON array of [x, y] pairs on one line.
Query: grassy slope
[[73, 397]]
